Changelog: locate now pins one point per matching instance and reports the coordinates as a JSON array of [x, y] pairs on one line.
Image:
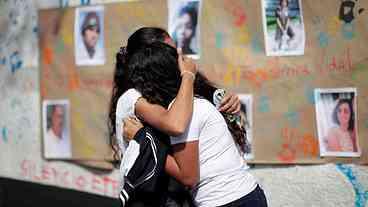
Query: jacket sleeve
[[144, 175]]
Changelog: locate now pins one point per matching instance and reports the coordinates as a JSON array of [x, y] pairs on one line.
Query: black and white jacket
[[145, 180]]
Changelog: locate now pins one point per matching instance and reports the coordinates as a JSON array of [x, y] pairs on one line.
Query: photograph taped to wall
[[89, 36], [283, 27], [56, 129], [246, 113], [337, 122], [184, 25]]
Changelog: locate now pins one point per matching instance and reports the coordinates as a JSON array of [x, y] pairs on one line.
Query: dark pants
[[256, 198]]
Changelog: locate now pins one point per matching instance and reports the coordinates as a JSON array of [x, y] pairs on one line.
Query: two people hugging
[[167, 128]]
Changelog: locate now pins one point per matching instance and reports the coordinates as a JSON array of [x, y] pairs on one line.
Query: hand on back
[[130, 127]]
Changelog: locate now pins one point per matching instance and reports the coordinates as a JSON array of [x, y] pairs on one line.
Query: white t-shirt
[[223, 175], [125, 108], [56, 147]]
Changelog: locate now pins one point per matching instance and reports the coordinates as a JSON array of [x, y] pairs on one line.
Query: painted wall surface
[[20, 130], [20, 125]]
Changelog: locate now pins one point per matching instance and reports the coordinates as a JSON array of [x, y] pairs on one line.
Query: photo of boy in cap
[[89, 41]]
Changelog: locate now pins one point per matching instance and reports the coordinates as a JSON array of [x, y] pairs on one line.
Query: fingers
[[132, 121], [230, 104], [180, 59], [235, 108], [131, 126], [225, 106], [186, 63]]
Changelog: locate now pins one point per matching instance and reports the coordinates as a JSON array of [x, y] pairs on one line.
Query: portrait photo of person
[[89, 36], [283, 27], [336, 122], [56, 136], [184, 25], [246, 114]]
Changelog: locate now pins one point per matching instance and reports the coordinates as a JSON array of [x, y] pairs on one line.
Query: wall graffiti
[[4, 134], [347, 10], [20, 95], [295, 141], [361, 195], [46, 173]]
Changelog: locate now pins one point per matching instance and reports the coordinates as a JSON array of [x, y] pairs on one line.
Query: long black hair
[[154, 72], [122, 82]]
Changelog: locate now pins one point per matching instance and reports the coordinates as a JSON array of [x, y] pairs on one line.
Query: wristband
[[188, 72]]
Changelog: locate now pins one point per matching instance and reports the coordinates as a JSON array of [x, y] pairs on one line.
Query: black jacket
[[147, 184]]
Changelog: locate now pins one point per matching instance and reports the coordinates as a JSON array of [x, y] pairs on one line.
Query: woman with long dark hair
[[342, 137], [126, 101], [205, 157], [176, 118]]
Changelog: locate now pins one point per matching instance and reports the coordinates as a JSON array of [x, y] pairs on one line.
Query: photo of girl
[[183, 25], [283, 27], [336, 121]]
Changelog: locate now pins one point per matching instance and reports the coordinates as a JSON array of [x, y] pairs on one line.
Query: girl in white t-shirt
[[126, 101], [205, 156]]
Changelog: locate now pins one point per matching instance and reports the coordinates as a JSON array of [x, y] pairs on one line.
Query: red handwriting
[[260, 75], [273, 70], [231, 75], [104, 185], [333, 64]]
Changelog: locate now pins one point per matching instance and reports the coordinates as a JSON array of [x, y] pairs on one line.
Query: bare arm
[[287, 23], [279, 24], [172, 121], [174, 124], [184, 164]]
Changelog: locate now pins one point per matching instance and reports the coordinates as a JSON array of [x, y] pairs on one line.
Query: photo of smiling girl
[[336, 121]]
